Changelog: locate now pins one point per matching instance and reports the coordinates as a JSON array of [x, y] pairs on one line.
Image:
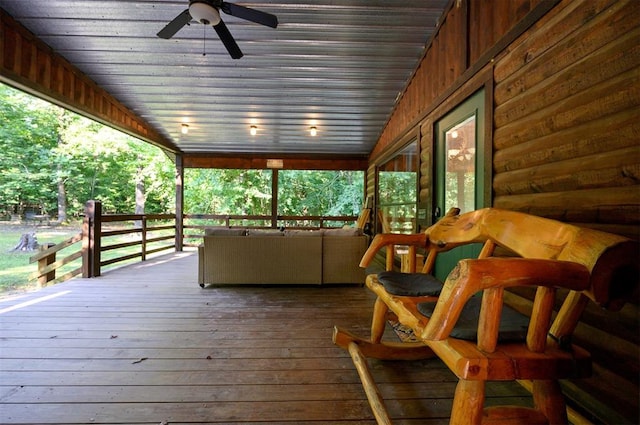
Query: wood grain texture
[[144, 344]]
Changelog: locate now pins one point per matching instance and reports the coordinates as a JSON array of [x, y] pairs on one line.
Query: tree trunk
[[62, 192], [62, 198]]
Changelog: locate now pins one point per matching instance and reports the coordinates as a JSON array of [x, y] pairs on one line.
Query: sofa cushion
[[224, 231], [264, 232], [347, 231], [302, 233]]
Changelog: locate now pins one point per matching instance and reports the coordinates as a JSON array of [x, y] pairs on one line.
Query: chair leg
[[468, 403], [378, 321], [548, 398]]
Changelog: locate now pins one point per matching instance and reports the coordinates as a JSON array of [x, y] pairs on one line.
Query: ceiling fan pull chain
[[204, 40]]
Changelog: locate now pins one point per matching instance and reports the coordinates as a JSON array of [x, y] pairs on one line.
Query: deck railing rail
[[195, 224], [151, 232], [47, 264]]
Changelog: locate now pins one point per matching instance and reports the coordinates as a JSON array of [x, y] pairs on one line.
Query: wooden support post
[[179, 241], [91, 234], [44, 262], [274, 198], [86, 243]]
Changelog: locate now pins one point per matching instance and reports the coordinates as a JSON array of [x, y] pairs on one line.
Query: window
[[460, 166], [398, 191]]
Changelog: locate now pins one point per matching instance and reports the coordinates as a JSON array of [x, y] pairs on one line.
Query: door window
[[460, 167]]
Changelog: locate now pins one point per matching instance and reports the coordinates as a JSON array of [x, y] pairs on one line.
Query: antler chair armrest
[[382, 240], [474, 275]]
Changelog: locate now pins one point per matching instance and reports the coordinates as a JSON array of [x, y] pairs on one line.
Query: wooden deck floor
[[144, 344]]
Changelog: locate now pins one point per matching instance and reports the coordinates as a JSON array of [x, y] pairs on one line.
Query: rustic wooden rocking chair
[[590, 264]]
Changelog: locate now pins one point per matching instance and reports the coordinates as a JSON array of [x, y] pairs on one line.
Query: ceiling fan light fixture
[[204, 13], [185, 128], [313, 131], [253, 130]]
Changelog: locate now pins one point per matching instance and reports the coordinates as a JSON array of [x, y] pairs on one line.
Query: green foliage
[[27, 134], [43, 145], [303, 192], [397, 191], [211, 191], [45, 148], [300, 192], [103, 164]]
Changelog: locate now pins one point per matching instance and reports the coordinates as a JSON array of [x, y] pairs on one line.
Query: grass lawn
[[14, 266]]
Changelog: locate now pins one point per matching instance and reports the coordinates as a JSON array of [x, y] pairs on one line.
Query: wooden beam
[[29, 64], [289, 162]]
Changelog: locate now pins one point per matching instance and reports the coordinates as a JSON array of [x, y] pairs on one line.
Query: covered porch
[[144, 344]]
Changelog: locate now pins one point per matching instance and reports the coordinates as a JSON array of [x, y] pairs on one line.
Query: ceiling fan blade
[[249, 14], [228, 40], [174, 26]]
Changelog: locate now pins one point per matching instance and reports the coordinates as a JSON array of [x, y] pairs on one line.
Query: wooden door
[[459, 165]]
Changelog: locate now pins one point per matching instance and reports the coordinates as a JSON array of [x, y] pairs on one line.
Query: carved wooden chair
[[480, 339]]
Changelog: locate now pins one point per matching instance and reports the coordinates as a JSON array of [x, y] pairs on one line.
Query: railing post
[[91, 233], [143, 242], [86, 243], [44, 262], [179, 218]]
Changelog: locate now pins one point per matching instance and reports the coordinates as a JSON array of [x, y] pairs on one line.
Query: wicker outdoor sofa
[[239, 256]]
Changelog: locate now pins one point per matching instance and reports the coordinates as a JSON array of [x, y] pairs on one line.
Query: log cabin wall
[[565, 146], [566, 119], [562, 89]]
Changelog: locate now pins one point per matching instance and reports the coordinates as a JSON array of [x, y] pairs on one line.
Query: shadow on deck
[[144, 344]]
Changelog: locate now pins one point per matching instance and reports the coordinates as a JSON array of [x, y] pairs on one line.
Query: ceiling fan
[[207, 12]]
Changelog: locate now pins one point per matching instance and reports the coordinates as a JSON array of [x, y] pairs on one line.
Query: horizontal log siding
[[565, 138], [566, 126], [566, 133], [467, 31]]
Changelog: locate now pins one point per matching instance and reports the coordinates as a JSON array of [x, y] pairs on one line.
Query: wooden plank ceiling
[[337, 65]]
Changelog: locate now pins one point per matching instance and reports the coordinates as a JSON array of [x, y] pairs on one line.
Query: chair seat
[[513, 325], [410, 284]]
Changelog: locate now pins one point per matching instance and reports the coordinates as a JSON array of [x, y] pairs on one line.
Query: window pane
[[397, 192], [460, 166]]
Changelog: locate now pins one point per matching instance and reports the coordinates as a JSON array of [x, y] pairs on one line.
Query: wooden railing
[[150, 232], [196, 223], [143, 234], [47, 264]]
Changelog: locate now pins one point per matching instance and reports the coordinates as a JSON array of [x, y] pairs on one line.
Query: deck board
[[144, 344]]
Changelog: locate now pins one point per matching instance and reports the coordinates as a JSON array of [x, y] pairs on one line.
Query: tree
[[27, 134], [58, 160], [249, 192]]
